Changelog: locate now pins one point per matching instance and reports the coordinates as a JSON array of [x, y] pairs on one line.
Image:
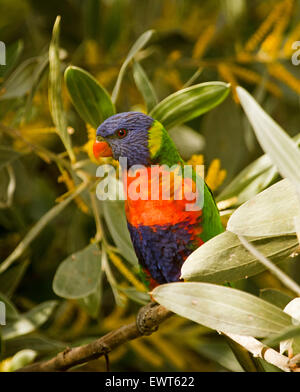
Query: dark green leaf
[[137, 46], [189, 103], [90, 99], [275, 297], [144, 86]]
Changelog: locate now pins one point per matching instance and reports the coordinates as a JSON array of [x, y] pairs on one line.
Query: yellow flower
[[215, 175]]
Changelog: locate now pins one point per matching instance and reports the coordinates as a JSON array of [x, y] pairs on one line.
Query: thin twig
[[258, 349]]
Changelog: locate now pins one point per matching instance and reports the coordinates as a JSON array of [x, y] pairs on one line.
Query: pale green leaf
[[21, 359], [21, 80], [222, 308], [269, 213], [225, 259], [29, 321], [276, 143], [55, 90], [79, 275], [114, 214]]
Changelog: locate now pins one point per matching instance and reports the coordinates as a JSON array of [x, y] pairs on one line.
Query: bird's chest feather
[[163, 232]]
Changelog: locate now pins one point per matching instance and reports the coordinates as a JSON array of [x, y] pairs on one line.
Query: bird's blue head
[[125, 135]]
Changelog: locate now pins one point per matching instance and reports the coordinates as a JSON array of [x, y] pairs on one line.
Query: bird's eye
[[121, 133]]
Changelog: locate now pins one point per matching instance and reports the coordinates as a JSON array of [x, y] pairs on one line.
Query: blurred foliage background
[[236, 41]]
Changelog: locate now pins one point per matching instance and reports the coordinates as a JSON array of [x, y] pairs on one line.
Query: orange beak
[[102, 149]]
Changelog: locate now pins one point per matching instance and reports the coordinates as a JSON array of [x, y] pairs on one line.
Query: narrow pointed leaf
[[222, 308], [55, 90], [144, 86], [137, 46], [21, 80], [29, 321], [274, 140], [90, 99], [115, 219], [189, 103]]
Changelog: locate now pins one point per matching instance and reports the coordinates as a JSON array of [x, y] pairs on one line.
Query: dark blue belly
[[162, 249]]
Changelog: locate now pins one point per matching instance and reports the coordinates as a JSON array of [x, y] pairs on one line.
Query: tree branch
[[148, 320]]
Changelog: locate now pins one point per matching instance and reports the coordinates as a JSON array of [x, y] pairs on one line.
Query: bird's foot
[[144, 320]]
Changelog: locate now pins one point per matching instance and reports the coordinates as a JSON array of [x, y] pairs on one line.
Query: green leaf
[[36, 342], [287, 333], [275, 297], [8, 186], [136, 296], [216, 351], [11, 312], [13, 53], [189, 103], [222, 308], [21, 80], [90, 99], [269, 213], [144, 86], [79, 275], [253, 179], [21, 359], [137, 46], [29, 321], [114, 214], [225, 259], [91, 303], [55, 90], [276, 143]]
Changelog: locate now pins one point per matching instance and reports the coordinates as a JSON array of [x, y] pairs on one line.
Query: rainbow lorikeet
[[163, 231]]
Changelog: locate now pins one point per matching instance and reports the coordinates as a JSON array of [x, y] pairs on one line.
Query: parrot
[[163, 231]]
